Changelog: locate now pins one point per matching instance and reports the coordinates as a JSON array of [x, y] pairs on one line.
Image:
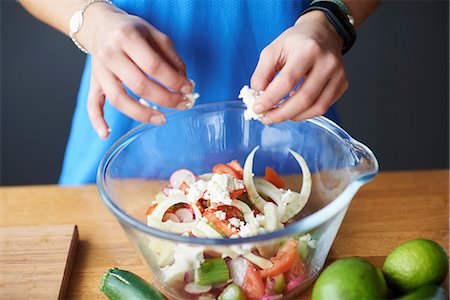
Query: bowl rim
[[305, 224]]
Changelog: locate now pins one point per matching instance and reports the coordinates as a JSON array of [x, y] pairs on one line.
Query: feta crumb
[[234, 221], [191, 97], [196, 191], [221, 215], [245, 230], [219, 187], [308, 240], [238, 184], [249, 97]]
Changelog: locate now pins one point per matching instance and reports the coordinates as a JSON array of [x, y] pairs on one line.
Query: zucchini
[[119, 284]]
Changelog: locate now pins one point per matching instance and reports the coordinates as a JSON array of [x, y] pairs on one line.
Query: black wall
[[397, 104]]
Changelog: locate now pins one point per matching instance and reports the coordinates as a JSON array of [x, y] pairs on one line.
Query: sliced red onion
[[195, 290], [271, 297], [238, 269], [294, 283], [185, 215], [180, 176]]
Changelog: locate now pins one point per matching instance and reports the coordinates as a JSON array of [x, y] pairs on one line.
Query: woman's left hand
[[311, 49]]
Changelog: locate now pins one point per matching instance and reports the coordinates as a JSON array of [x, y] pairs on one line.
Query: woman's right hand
[[125, 49]]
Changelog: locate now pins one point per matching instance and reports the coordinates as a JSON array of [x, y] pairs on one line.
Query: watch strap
[[339, 21]]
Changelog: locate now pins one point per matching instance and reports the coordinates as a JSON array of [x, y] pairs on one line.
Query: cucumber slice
[[232, 292], [119, 284]]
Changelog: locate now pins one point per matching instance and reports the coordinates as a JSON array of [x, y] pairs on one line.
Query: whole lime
[[414, 264], [350, 278], [428, 292]]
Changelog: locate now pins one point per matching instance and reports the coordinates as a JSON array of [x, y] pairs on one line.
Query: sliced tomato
[[297, 270], [237, 167], [275, 179], [231, 211], [236, 193], [222, 225], [253, 285], [225, 169], [151, 209], [282, 262]]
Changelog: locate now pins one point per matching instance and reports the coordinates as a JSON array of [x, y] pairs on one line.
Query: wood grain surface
[[36, 261], [395, 207]]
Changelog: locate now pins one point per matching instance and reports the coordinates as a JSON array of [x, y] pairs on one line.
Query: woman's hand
[[125, 49], [311, 50]]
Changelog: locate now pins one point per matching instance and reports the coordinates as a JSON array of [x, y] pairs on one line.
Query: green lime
[[428, 292], [414, 264], [350, 278]]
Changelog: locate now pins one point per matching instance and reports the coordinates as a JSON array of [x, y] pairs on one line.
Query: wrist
[[322, 21], [93, 16]]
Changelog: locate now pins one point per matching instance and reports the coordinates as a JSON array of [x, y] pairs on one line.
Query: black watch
[[338, 19]]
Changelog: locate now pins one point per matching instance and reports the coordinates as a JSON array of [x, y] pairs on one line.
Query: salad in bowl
[[242, 211]]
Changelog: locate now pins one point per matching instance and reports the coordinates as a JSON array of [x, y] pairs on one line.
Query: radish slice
[[253, 195], [172, 217], [195, 290], [180, 176], [238, 269], [298, 200], [185, 215]]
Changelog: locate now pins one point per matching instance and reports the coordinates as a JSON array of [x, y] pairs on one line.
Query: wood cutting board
[[36, 262]]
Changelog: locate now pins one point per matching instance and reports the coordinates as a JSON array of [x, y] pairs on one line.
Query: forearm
[[361, 9]]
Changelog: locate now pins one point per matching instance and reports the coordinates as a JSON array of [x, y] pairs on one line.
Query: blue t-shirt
[[219, 41]]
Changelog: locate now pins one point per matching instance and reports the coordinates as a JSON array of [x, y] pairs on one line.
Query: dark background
[[397, 103]]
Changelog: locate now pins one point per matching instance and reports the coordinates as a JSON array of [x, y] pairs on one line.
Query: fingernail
[[182, 105], [186, 89], [266, 120], [157, 119], [258, 108], [101, 132]]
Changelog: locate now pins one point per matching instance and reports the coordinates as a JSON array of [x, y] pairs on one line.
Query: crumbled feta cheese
[[218, 189], [249, 97], [260, 218], [196, 190], [221, 215], [186, 257], [234, 221], [308, 240], [245, 230], [238, 184], [191, 97]]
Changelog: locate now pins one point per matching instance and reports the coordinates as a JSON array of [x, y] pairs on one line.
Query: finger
[[282, 85], [305, 97], [95, 103], [118, 98], [133, 77], [151, 63], [167, 51], [268, 65], [332, 92]]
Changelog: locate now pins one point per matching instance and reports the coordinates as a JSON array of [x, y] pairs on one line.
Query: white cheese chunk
[[249, 97]]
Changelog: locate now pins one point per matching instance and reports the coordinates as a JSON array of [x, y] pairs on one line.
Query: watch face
[[76, 21]]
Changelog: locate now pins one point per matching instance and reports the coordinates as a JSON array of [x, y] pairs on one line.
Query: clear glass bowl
[[137, 167]]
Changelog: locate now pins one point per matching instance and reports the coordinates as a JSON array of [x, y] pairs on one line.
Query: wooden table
[[395, 207]]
